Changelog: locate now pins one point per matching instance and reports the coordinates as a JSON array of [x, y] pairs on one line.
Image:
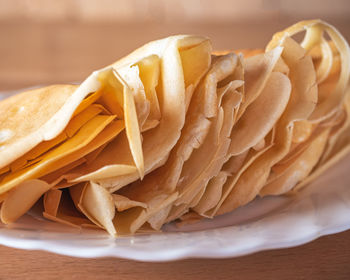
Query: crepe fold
[[174, 131]]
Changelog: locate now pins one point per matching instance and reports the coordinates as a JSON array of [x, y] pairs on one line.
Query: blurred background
[[50, 41]]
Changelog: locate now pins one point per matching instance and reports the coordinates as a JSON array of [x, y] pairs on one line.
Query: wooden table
[[34, 53], [325, 258]]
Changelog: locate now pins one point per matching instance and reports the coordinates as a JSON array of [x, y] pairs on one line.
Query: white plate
[[272, 222]]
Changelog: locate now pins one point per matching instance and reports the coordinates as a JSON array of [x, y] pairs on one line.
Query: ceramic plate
[[321, 208]]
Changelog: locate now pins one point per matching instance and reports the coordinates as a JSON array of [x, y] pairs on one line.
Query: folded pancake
[[202, 119], [185, 60], [174, 131], [307, 80], [147, 92]]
